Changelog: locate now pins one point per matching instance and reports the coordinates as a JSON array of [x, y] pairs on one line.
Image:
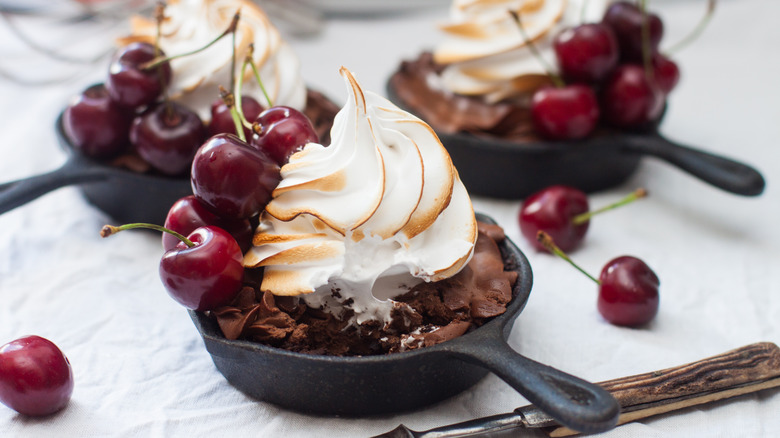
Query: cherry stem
[[230, 102], [159, 16], [557, 81], [110, 230], [647, 57], [548, 243], [159, 60], [705, 20], [250, 60], [633, 196], [583, 9]]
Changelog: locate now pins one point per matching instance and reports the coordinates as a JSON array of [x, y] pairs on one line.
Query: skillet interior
[[353, 386], [125, 195]]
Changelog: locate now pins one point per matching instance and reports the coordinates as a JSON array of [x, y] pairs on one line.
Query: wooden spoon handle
[[744, 370]]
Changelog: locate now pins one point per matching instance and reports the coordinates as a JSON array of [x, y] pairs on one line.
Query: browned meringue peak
[[486, 54], [191, 24], [379, 210]]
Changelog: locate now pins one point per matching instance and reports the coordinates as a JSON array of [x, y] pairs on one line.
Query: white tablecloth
[[141, 369]]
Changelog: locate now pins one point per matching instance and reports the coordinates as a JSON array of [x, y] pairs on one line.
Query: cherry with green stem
[[203, 271], [628, 288], [564, 213]]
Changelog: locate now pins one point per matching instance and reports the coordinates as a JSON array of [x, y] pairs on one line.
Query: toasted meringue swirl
[[485, 52], [191, 24], [361, 221]]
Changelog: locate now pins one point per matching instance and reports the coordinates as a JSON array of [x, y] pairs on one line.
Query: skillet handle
[[16, 193], [721, 172], [578, 404]]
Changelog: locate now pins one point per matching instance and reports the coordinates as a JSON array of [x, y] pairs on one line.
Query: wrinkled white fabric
[[142, 371]]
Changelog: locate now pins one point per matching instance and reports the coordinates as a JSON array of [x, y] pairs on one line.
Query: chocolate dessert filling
[[319, 109], [417, 86], [430, 313]]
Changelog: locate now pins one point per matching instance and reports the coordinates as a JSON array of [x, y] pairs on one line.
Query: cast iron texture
[[124, 195], [369, 385], [489, 166]]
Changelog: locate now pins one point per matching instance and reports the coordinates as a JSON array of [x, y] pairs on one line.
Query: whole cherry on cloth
[[203, 271], [36, 378], [188, 214], [566, 113], [628, 288], [96, 125], [552, 210], [233, 179], [222, 120], [628, 292], [130, 82], [563, 213], [629, 99], [586, 53], [280, 131], [626, 20], [167, 136]]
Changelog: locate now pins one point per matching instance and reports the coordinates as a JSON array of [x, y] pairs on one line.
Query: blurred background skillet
[[497, 168], [124, 195]]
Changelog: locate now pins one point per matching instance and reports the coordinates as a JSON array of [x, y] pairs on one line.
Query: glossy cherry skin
[[36, 378], [167, 136], [207, 275], [188, 214], [628, 293], [586, 53], [233, 179], [130, 85], [551, 210], [626, 20], [97, 126], [566, 113], [283, 131], [222, 121], [666, 74], [629, 99]]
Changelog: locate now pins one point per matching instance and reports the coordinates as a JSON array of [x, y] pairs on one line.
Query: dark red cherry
[[35, 377], [626, 20], [566, 113], [283, 131], [222, 121], [188, 214], [233, 179], [207, 275], [666, 74], [628, 292], [167, 136], [95, 125], [130, 84], [629, 99], [552, 210], [586, 53]]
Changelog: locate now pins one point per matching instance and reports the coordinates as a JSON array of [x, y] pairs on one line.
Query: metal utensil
[[741, 371]]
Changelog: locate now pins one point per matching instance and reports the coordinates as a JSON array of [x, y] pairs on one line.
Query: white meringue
[[191, 24], [379, 210], [485, 52]]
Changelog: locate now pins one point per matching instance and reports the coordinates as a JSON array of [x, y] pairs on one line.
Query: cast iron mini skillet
[[368, 385], [124, 195], [498, 168]]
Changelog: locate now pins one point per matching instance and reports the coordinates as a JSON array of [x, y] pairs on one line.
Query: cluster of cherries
[[556, 219], [613, 72], [233, 173], [131, 111]]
